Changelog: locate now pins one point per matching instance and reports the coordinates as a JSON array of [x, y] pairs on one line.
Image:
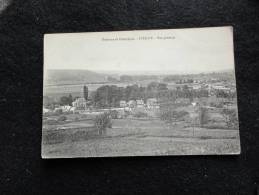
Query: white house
[[196, 87], [132, 103], [80, 103], [140, 103], [152, 103]]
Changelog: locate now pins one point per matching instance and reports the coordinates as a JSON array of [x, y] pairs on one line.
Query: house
[[68, 108], [152, 103], [132, 103], [140, 103], [123, 104], [128, 109], [196, 87], [80, 103]]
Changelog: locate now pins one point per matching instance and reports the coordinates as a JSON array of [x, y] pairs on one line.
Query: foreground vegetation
[[106, 135], [129, 137]]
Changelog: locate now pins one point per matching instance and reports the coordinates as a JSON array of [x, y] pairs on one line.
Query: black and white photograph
[[140, 93]]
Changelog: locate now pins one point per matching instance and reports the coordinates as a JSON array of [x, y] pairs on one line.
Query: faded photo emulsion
[[140, 93]]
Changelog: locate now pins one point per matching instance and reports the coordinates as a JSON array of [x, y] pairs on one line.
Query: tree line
[[111, 95]]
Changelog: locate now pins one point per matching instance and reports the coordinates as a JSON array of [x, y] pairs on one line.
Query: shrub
[[168, 116], [230, 116], [172, 115], [62, 118], [126, 113], [114, 114], [217, 104], [84, 116], [50, 122], [58, 111], [181, 114]]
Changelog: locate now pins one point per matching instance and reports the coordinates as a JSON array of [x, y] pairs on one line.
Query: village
[[212, 94]]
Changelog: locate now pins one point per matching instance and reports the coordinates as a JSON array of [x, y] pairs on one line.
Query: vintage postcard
[[140, 93]]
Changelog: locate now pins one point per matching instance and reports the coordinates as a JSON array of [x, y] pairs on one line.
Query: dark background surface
[[22, 25]]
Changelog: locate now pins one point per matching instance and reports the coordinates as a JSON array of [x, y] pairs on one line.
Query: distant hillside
[[66, 77], [220, 75]]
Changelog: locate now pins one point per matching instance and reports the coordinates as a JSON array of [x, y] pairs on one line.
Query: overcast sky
[[180, 50]]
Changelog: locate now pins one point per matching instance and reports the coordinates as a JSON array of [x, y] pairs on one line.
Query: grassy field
[[135, 137]]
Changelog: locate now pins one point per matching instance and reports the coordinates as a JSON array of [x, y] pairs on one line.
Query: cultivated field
[[134, 137]]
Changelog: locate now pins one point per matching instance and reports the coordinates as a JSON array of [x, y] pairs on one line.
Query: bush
[[217, 104], [114, 114], [230, 116], [62, 118], [126, 113], [101, 122], [172, 115], [50, 122], [58, 111], [84, 116], [181, 114], [167, 116]]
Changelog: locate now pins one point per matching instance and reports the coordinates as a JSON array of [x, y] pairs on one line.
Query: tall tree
[[64, 100], [203, 116], [85, 92], [70, 99]]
